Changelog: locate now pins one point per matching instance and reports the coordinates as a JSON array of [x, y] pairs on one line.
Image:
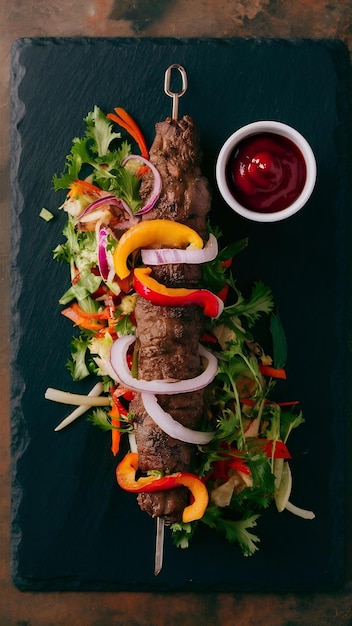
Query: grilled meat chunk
[[168, 340], [169, 336], [185, 194], [166, 504], [157, 450]]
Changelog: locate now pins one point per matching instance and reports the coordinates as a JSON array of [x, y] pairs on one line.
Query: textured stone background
[[175, 18]]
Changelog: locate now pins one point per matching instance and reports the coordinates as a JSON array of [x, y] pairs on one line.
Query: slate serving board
[[73, 529]]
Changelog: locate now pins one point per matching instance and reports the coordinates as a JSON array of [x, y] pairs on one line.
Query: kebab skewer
[[168, 336]]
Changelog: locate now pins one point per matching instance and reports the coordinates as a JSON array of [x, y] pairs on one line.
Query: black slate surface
[[72, 527]]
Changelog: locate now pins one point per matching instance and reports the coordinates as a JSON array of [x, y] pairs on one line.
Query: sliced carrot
[[114, 414], [102, 315], [79, 187], [272, 372], [89, 321], [142, 170], [83, 322]]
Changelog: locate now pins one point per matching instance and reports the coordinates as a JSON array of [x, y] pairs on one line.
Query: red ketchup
[[266, 173]]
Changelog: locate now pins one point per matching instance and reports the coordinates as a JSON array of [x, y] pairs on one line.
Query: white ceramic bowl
[[277, 128]]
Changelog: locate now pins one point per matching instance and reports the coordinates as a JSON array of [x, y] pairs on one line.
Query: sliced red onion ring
[[95, 216], [119, 364], [172, 427], [109, 200], [157, 183], [102, 254], [161, 256], [96, 204]]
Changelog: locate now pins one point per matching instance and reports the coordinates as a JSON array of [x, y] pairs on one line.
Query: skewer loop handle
[[175, 95]]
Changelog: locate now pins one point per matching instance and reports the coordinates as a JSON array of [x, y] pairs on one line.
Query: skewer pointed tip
[[159, 545]]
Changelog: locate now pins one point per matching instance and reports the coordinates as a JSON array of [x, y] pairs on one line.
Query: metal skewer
[[175, 95], [159, 545]]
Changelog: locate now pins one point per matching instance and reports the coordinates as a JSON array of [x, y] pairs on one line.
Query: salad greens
[[245, 466]]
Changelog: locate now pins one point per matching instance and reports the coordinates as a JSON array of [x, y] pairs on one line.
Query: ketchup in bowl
[[266, 172]]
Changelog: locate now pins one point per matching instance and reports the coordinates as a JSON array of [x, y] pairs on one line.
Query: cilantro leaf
[[182, 533], [235, 531], [260, 301], [214, 273]]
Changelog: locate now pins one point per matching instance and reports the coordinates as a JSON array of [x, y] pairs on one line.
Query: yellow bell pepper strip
[[199, 493], [149, 233], [126, 478], [156, 293]]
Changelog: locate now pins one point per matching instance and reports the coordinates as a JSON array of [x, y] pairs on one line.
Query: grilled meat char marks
[[169, 336]]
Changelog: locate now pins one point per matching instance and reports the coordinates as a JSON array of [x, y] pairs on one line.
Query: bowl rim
[[278, 128]]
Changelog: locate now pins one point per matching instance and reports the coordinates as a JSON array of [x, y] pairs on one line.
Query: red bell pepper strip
[[222, 294], [273, 448], [221, 467], [272, 372], [276, 449], [208, 338], [124, 119], [126, 478], [119, 406], [158, 294], [121, 392], [226, 263]]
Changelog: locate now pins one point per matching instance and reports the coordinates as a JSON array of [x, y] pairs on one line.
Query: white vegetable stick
[[65, 397], [94, 392], [132, 441], [298, 511]]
